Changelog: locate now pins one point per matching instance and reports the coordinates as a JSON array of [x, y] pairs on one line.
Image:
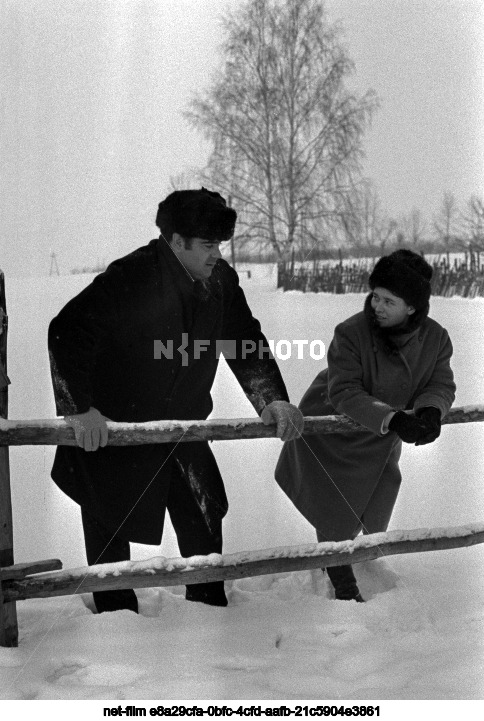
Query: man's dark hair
[[187, 242]]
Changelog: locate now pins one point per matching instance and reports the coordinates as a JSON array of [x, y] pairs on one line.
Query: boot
[[344, 582], [212, 594], [106, 601]]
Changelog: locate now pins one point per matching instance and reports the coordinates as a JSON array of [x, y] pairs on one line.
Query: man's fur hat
[[196, 214]]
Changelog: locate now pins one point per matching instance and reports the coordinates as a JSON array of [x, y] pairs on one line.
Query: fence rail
[[203, 569], [57, 432]]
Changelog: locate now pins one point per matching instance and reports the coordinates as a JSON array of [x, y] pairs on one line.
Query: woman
[[389, 370]]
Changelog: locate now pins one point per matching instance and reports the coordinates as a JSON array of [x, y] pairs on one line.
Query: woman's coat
[[331, 478]]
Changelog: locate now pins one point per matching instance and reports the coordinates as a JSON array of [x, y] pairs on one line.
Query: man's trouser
[[194, 536]]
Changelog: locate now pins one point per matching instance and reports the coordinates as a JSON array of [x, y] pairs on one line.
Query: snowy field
[[421, 633]]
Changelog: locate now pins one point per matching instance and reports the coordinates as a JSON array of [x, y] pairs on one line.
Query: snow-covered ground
[[419, 636]]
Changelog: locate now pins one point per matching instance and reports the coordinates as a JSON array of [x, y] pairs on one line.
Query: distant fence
[[465, 279]]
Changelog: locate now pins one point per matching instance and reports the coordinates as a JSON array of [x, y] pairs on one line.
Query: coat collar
[[196, 303], [171, 268]]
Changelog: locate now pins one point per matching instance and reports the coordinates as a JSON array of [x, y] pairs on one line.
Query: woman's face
[[390, 310]]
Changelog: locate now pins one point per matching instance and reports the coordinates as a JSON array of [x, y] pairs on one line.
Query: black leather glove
[[408, 427], [432, 419]]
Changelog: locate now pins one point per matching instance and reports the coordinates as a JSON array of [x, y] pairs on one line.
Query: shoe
[[213, 594], [344, 583]]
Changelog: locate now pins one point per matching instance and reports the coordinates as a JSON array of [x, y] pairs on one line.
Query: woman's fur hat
[[196, 214], [405, 274]]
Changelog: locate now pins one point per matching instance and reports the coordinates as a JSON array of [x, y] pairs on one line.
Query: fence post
[[8, 611]]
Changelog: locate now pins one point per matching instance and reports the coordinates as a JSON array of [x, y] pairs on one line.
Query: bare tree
[[286, 133], [414, 226], [473, 220], [445, 222], [188, 180], [366, 226]]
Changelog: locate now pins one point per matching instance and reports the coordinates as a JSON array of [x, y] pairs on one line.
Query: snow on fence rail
[[161, 571], [57, 432]]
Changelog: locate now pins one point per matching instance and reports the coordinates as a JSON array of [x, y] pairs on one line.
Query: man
[[126, 349]]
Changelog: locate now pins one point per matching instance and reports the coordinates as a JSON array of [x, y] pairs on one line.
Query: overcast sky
[[92, 93]]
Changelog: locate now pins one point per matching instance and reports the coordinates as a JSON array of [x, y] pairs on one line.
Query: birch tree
[[286, 132]]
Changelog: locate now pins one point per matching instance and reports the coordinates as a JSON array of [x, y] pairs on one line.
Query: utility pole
[[54, 268]]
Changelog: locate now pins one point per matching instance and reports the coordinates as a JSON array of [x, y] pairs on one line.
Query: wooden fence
[[462, 280], [22, 581], [45, 578]]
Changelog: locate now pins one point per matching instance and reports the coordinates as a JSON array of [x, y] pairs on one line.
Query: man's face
[[390, 310], [200, 258]]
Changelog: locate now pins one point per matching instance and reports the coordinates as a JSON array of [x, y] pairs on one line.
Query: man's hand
[[90, 429], [289, 419]]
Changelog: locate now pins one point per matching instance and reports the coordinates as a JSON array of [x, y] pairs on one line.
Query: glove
[[90, 429], [432, 420], [408, 427], [289, 419]]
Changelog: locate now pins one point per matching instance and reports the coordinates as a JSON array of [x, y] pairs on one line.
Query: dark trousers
[[195, 536]]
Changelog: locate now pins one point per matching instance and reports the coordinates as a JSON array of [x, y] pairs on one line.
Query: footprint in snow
[[77, 673], [241, 663], [375, 577]]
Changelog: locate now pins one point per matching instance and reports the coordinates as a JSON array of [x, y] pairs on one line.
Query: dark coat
[[332, 478], [102, 351]]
